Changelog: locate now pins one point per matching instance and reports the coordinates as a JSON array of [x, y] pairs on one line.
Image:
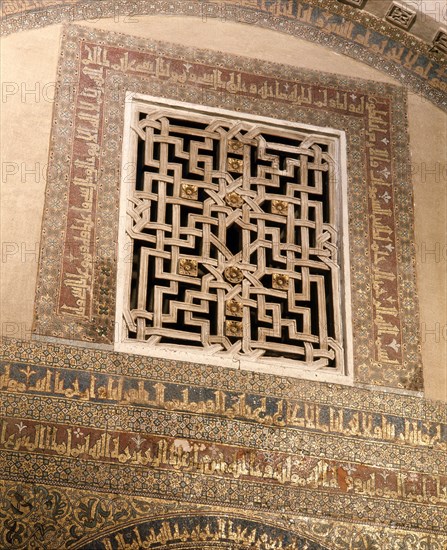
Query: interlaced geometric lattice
[[233, 230]]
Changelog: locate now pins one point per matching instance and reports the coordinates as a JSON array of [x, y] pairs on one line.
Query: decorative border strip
[[111, 364], [338, 26], [258, 463], [319, 499], [132, 397]]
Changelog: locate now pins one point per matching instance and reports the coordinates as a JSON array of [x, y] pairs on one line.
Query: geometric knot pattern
[[233, 230]]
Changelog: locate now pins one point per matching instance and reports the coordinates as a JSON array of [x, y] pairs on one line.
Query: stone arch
[[340, 27]]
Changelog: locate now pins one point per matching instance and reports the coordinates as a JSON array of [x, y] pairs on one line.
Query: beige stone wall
[[29, 62], [428, 135]]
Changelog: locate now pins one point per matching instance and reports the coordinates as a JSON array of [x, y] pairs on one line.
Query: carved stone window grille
[[231, 237]]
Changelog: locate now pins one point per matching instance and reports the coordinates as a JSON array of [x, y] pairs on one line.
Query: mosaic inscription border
[[96, 68], [150, 428]]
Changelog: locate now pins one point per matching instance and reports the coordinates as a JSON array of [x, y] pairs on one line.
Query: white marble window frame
[[342, 373]]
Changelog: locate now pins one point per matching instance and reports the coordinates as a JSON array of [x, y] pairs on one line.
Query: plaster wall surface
[[29, 62]]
